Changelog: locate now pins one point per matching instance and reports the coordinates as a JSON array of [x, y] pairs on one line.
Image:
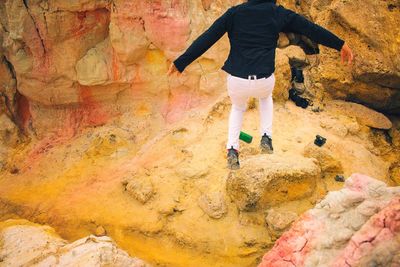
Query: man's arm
[[204, 42], [293, 22]]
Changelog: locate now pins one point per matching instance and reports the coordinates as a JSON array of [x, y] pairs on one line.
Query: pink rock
[[382, 227], [312, 240], [168, 27], [293, 246]]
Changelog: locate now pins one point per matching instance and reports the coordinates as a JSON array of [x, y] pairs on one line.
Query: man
[[253, 29]]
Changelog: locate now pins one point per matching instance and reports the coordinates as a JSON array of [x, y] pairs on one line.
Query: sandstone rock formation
[[113, 146], [263, 181], [375, 77], [107, 47], [356, 226], [27, 244], [213, 204], [279, 222], [363, 114], [140, 189]]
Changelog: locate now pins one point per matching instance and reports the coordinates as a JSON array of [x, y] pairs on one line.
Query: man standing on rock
[[253, 29]]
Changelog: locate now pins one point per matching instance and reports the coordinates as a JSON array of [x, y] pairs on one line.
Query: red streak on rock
[[115, 67], [86, 21], [91, 111], [168, 26], [292, 247], [380, 228], [46, 144], [23, 110], [38, 46], [179, 102]]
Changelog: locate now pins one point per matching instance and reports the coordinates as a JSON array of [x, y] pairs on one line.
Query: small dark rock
[[14, 171], [339, 178], [391, 7]]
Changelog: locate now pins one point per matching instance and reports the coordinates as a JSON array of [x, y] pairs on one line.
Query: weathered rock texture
[[71, 60], [356, 226], [375, 77], [268, 180], [27, 244], [116, 147]]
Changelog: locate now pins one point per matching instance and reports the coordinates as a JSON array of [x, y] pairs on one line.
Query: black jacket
[[253, 30]]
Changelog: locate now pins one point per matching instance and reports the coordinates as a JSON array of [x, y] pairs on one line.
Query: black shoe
[[266, 144], [233, 159]]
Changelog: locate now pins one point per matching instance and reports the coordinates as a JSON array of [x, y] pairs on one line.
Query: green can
[[245, 137]]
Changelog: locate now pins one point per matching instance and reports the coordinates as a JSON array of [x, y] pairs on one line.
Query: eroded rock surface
[[357, 226], [267, 180], [86, 81], [278, 222], [375, 77], [27, 244], [115, 46], [213, 204]]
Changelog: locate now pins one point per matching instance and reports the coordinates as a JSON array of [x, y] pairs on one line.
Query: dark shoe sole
[[233, 164], [266, 150]]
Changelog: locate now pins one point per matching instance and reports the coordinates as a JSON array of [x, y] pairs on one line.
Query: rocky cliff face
[[94, 134], [70, 60], [368, 27]]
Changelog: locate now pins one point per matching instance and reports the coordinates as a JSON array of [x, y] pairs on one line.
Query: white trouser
[[239, 90]]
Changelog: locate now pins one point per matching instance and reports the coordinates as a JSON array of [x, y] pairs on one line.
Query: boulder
[[364, 115], [358, 226], [28, 244], [213, 204], [92, 69], [128, 27], [140, 189], [326, 159], [264, 181], [278, 222]]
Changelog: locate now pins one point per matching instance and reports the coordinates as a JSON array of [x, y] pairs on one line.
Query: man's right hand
[[172, 70], [346, 54]]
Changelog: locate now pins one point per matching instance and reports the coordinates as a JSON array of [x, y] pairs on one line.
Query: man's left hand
[[172, 69], [346, 54]]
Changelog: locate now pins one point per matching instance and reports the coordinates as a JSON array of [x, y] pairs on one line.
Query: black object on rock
[[339, 178], [296, 98], [297, 74], [320, 141]]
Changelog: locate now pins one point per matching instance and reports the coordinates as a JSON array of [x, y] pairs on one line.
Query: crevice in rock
[[45, 21], [142, 22], [11, 104], [10, 67], [3, 26], [113, 6], [36, 27], [393, 172]]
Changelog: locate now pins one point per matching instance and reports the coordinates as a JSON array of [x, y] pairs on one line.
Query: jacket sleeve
[[204, 41], [293, 22]]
